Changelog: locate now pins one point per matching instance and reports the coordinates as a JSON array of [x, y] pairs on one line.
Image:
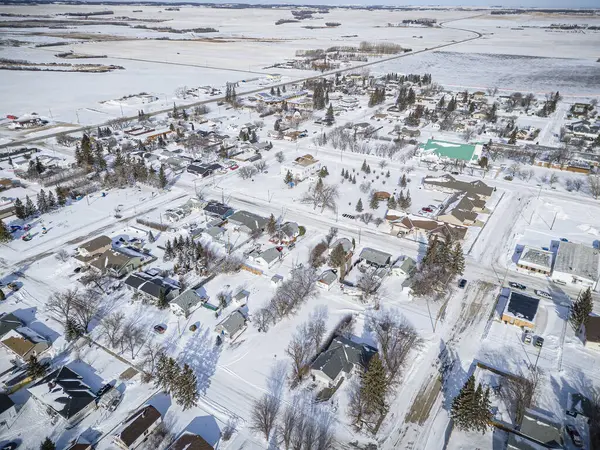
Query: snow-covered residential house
[[327, 280], [152, 285], [592, 333], [23, 343], [287, 233], [537, 431], [302, 167], [190, 441], [346, 245], [115, 263], [232, 326], [268, 258], [214, 209], [187, 302], [137, 428], [404, 267], [375, 258], [96, 246], [247, 222], [8, 412], [448, 184], [520, 310], [65, 394], [461, 210], [535, 261], [576, 264], [9, 322], [80, 443], [342, 358]]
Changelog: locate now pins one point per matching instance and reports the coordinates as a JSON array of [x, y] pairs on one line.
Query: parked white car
[[543, 294]]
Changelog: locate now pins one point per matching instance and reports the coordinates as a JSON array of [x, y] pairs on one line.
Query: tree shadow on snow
[[202, 355], [451, 372], [207, 427]]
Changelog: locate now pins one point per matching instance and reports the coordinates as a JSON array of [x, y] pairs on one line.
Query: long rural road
[[38, 138]]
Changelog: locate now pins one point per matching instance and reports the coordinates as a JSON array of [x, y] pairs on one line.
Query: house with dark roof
[[592, 333], [520, 310], [342, 358], [79, 444], [137, 428], [96, 246], [450, 185], [9, 322], [214, 209], [402, 224], [375, 258], [116, 263], [190, 441], [203, 170], [65, 394], [537, 431], [8, 412], [153, 286], [247, 222], [186, 302]]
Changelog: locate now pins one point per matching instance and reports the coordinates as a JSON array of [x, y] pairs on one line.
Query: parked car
[[527, 337], [427, 209], [234, 167], [104, 389], [520, 286], [159, 329], [13, 286], [539, 342], [543, 294], [10, 446], [564, 240], [575, 436], [462, 283]]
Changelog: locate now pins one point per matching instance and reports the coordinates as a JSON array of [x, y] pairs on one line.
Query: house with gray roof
[[447, 183], [9, 322], [535, 261], [404, 266], [137, 428], [327, 279], [247, 222], [186, 302], [375, 258], [537, 431], [268, 258], [287, 233], [153, 285], [576, 264], [116, 263], [232, 326], [96, 246], [341, 359], [65, 394], [344, 242]]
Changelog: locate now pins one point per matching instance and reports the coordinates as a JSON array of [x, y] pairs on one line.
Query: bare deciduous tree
[[317, 326], [368, 283], [113, 328], [62, 255], [133, 339], [86, 307], [261, 165], [279, 157], [151, 355], [247, 172], [519, 392], [577, 184], [299, 349], [395, 338], [263, 318], [61, 304], [594, 185], [266, 408]]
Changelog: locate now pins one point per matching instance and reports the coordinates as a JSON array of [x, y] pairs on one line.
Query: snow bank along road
[[40, 137]]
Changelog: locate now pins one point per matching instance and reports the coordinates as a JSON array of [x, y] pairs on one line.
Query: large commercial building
[[576, 264]]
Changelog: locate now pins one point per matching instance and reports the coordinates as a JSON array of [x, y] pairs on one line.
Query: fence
[[153, 225]]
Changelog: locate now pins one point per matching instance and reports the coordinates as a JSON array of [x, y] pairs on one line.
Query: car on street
[[159, 329], [427, 209], [10, 446], [520, 286], [543, 294], [462, 283], [527, 337], [575, 436], [234, 167], [564, 240], [539, 342]]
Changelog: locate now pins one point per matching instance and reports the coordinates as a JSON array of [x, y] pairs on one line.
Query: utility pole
[[554, 220]]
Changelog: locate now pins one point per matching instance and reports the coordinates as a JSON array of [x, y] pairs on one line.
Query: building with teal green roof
[[435, 149]]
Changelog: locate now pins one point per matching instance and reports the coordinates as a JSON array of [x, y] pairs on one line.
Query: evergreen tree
[[458, 260], [162, 177], [368, 169], [513, 136], [29, 207], [581, 310], [272, 90], [5, 235], [271, 225], [401, 200], [343, 173], [167, 373], [20, 209], [168, 254], [374, 203], [354, 179], [61, 198], [391, 204], [329, 118], [162, 301], [441, 103], [99, 160], [359, 205], [387, 174], [185, 390], [407, 200], [2, 295], [42, 203], [73, 330], [364, 166], [39, 167], [463, 406], [402, 181], [51, 200], [288, 177], [48, 444], [35, 369], [87, 157], [373, 390], [278, 92], [337, 258]]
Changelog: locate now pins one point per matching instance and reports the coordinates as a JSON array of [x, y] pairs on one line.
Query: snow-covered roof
[[342, 355], [64, 391], [374, 256], [577, 260], [536, 258]]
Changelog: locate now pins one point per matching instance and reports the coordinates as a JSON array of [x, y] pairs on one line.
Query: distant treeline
[[85, 14]]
